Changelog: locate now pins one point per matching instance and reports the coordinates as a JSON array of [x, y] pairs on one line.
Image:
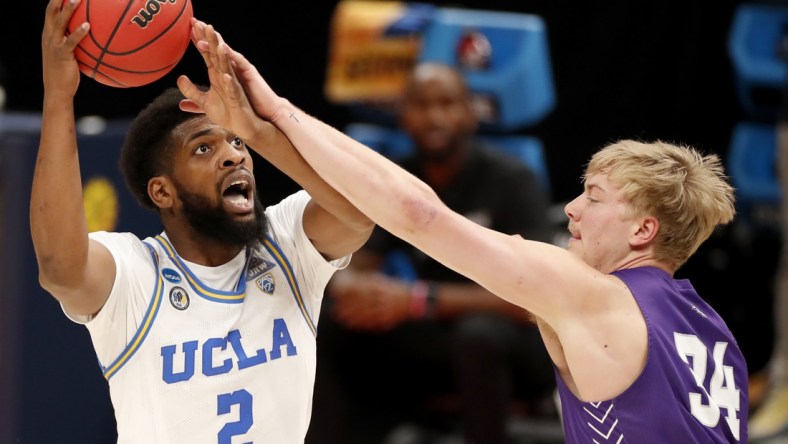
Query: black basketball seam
[[90, 32], [87, 53], [173, 23], [118, 82], [116, 68], [111, 36], [112, 79], [101, 74]]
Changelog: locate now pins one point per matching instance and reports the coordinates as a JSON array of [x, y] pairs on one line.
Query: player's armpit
[[85, 295]]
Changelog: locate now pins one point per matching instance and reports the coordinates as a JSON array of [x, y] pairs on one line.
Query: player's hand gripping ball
[[131, 42]]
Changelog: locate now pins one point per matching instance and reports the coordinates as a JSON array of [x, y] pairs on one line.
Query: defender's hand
[[225, 102], [262, 98]]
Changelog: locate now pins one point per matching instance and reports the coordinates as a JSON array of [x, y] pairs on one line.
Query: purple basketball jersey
[[693, 388]]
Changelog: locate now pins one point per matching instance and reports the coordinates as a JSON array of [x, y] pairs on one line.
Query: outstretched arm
[[77, 271], [334, 226], [537, 276], [585, 310]]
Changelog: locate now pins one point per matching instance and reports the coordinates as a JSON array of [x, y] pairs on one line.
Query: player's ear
[[161, 192], [645, 232]]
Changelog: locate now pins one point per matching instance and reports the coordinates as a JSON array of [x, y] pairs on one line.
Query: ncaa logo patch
[[171, 275], [266, 283], [179, 298]]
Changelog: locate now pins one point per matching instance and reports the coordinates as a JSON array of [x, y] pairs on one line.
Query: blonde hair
[[686, 191]]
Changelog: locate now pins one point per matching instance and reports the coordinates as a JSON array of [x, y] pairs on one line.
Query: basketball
[[131, 42]]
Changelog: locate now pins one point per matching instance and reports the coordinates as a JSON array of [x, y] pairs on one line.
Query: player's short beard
[[214, 222]]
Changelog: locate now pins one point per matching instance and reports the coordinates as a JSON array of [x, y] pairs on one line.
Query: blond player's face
[[599, 224]]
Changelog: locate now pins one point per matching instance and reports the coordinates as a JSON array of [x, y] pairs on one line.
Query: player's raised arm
[[539, 277], [404, 205], [79, 273], [334, 226]]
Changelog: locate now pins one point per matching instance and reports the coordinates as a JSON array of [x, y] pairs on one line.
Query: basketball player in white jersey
[[206, 332]]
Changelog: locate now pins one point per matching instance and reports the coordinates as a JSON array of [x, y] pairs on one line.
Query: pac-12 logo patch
[[171, 275], [179, 298], [266, 283]]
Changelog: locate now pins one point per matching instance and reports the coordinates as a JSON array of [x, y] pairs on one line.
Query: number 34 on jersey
[[721, 391]]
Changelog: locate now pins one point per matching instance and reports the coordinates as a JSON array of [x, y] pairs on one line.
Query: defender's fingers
[[213, 47], [218, 51], [190, 90], [238, 59], [224, 60], [190, 106], [233, 89], [198, 39]]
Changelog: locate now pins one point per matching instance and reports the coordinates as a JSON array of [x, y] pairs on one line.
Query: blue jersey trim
[[280, 259], [147, 323], [204, 291]]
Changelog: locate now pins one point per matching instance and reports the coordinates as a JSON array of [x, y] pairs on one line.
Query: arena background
[[622, 69]]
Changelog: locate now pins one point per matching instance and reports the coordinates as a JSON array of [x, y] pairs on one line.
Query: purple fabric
[[687, 339]]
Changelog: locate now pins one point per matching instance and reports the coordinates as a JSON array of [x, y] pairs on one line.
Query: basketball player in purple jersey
[[639, 356]]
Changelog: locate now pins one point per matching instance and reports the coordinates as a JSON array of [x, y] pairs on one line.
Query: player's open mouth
[[238, 192]]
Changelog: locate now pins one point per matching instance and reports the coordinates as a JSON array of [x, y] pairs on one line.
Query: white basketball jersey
[[220, 365]]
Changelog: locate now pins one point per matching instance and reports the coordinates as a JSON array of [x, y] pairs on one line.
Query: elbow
[[66, 293], [47, 273], [56, 290], [45, 282], [56, 281], [420, 211], [53, 285]]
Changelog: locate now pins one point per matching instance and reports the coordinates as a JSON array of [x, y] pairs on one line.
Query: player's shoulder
[[287, 213], [299, 199]]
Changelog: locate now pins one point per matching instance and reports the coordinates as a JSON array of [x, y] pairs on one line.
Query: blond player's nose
[[570, 209]]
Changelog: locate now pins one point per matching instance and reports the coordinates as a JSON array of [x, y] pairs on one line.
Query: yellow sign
[[365, 64], [101, 204]]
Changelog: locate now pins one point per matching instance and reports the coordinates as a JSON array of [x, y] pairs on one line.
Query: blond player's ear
[[645, 232]]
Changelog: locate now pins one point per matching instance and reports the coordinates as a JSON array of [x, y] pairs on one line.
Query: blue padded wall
[[519, 76], [754, 39], [753, 167]]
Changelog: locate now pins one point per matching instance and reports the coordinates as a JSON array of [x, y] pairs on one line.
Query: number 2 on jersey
[[722, 391], [245, 418]]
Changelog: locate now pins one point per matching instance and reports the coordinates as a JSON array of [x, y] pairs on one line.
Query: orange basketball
[[131, 42]]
